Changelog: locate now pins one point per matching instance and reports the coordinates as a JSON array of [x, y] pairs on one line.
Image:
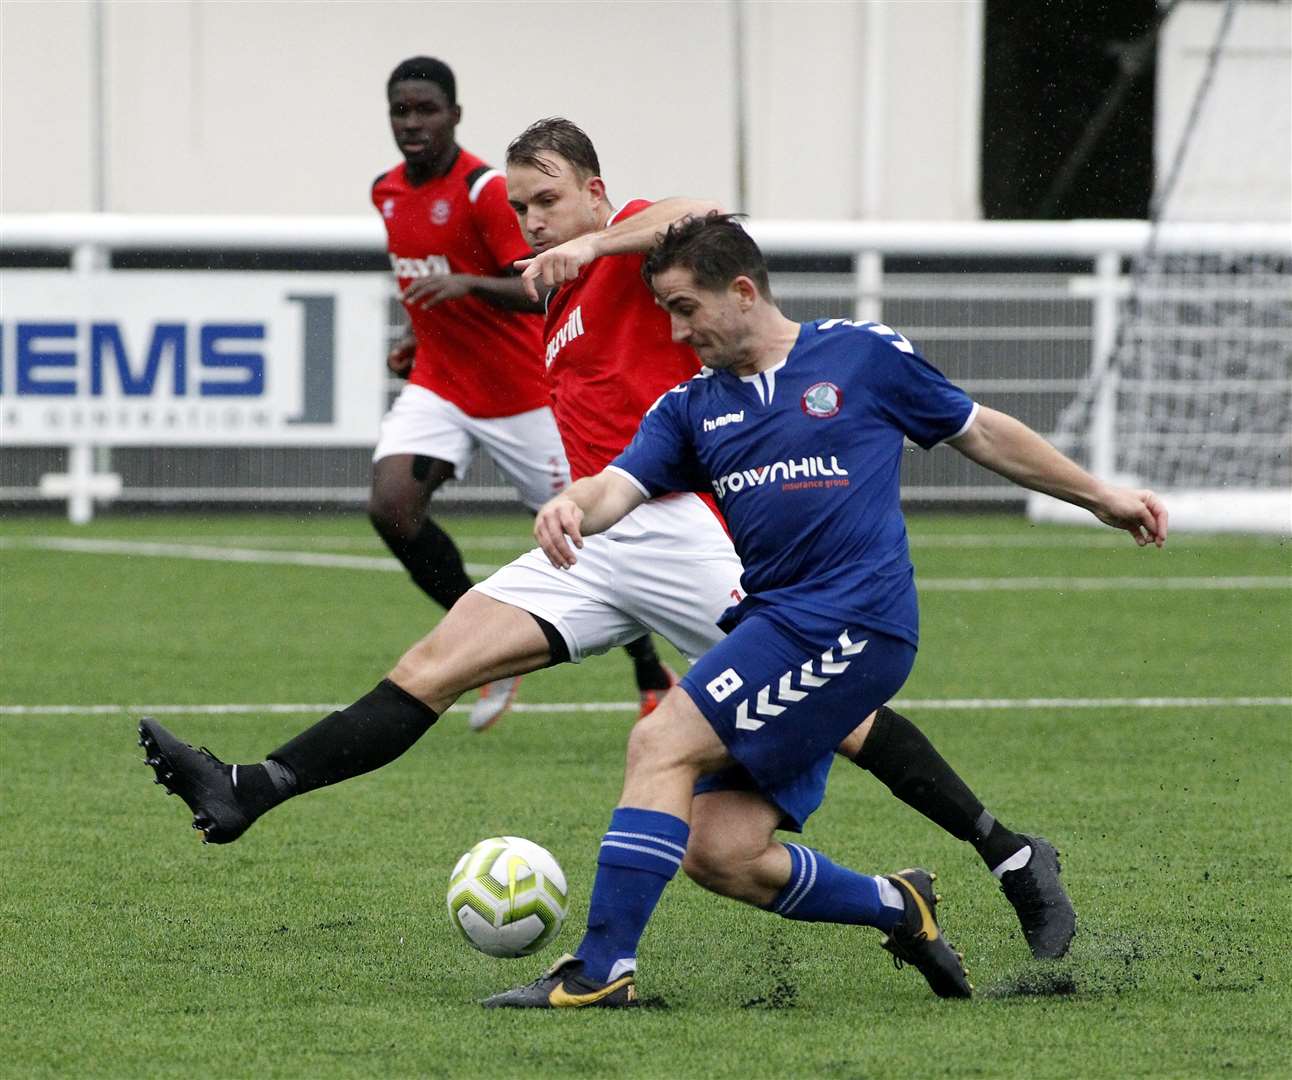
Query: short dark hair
[[715, 248], [428, 69], [554, 135]]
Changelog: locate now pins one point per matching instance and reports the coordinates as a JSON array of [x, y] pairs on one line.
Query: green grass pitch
[[319, 945]]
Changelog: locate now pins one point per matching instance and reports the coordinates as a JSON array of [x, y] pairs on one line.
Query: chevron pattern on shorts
[[774, 698]]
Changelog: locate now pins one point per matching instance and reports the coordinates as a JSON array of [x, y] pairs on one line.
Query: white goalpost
[[1192, 397]]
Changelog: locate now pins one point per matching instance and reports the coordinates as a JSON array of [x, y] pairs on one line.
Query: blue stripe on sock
[[652, 823], [639, 855], [820, 891], [680, 849], [800, 883], [797, 874]]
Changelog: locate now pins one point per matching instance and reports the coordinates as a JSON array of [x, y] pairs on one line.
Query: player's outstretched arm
[[508, 293], [562, 263], [1007, 446], [587, 506]]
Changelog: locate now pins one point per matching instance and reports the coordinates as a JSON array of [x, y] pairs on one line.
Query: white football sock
[[622, 967], [889, 894]]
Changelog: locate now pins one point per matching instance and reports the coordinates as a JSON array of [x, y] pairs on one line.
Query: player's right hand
[[400, 358], [557, 265], [1139, 512], [556, 526]]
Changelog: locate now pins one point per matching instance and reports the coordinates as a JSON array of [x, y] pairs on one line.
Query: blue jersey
[[804, 460]]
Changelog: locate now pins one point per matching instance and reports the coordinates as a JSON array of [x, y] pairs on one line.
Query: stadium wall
[[273, 108], [1239, 163]]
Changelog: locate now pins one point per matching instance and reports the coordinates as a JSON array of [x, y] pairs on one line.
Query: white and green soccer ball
[[507, 896]]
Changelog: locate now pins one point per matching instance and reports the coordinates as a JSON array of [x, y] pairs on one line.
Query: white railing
[[246, 232], [1082, 333]]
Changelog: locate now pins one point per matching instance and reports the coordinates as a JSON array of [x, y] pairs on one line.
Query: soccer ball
[[507, 896]]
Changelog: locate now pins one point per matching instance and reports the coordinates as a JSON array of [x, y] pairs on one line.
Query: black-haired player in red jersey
[[472, 356]]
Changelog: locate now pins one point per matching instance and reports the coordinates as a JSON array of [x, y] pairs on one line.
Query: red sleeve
[[373, 196], [631, 207], [497, 223]]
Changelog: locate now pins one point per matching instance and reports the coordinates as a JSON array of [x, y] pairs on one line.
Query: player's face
[[555, 205], [712, 322], [422, 121]]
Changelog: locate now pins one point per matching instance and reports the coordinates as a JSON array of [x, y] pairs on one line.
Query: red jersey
[[485, 360], [610, 355]]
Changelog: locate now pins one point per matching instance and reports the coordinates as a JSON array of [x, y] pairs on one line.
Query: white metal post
[[88, 466], [868, 278], [80, 485], [1103, 419]]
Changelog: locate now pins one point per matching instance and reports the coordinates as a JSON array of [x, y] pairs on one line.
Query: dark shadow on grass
[[1037, 982], [775, 966], [1107, 964]]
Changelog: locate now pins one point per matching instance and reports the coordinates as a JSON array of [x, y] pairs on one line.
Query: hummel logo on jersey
[[430, 266], [803, 468], [723, 421], [879, 329], [573, 328], [811, 674]]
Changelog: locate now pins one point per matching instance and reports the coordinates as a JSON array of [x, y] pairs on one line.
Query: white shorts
[[527, 446], [668, 567]]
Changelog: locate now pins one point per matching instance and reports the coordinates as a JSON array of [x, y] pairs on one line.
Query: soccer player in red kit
[[473, 356], [667, 567]]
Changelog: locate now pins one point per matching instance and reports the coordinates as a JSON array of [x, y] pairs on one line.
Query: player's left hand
[[556, 526], [427, 292], [1138, 512], [557, 265]]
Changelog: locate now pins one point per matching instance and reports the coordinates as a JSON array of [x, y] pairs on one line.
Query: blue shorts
[[781, 707]]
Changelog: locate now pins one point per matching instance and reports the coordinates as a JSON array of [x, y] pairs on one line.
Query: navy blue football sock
[[820, 891], [639, 856]]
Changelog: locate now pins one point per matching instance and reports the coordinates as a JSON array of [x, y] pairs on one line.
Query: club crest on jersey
[[440, 211], [822, 400], [388, 209]]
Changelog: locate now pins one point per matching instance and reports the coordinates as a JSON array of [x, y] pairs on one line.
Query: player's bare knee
[[720, 867], [430, 672], [707, 864], [654, 748], [649, 749]]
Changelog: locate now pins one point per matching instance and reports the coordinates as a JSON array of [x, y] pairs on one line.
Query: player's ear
[[596, 187], [746, 292]]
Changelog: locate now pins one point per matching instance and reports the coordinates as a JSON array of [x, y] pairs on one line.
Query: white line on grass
[[1062, 584], [517, 542], [924, 704], [213, 553]]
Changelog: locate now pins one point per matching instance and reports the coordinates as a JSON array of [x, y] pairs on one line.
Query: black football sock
[[900, 755], [262, 787], [650, 673], [434, 563], [364, 736]]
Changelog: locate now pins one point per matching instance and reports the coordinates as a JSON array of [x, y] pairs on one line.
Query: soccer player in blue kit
[[798, 430]]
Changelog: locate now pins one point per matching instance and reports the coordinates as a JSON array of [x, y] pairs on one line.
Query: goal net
[[1194, 396]]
